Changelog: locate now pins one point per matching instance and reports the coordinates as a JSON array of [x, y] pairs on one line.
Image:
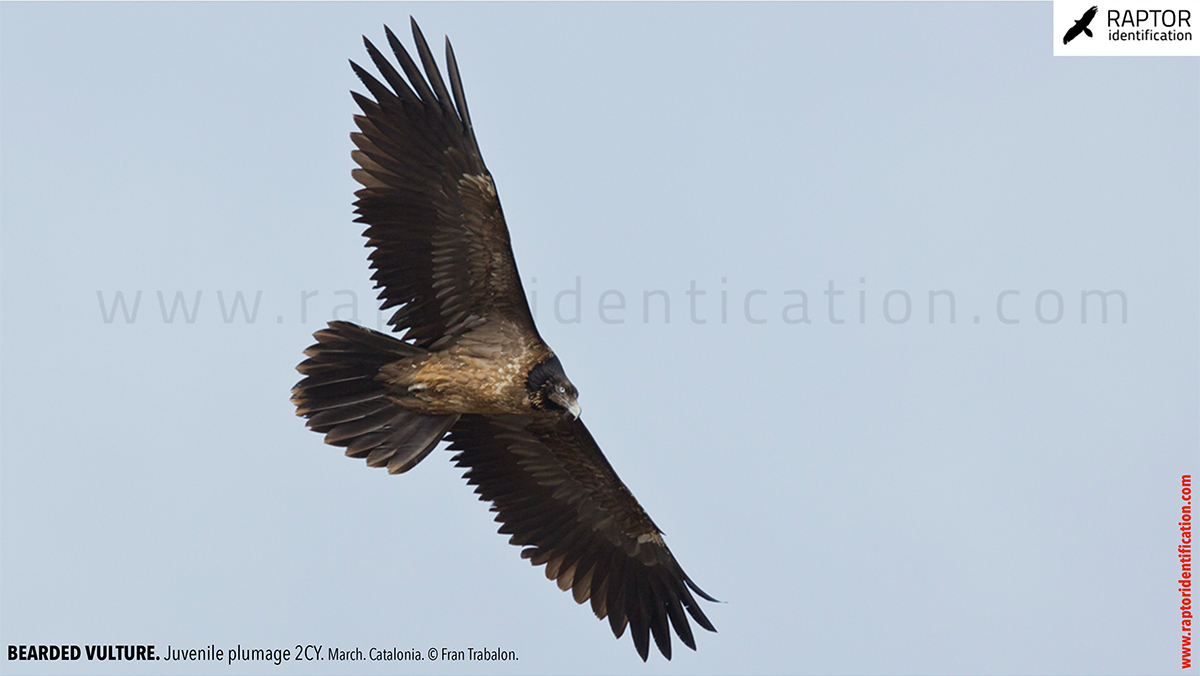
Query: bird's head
[[549, 389]]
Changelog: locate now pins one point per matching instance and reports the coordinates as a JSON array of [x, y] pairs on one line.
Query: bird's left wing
[[441, 247], [556, 495]]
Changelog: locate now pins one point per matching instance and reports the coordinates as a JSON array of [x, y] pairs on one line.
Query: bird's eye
[[561, 389]]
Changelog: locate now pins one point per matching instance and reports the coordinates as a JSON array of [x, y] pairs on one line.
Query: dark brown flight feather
[[471, 367]]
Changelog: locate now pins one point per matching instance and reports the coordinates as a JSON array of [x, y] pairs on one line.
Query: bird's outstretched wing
[[441, 248], [557, 496]]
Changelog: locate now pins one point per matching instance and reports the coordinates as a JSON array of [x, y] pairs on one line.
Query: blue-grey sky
[[869, 490]]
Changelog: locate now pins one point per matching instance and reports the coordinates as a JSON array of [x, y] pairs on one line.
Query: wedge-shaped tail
[[343, 398]]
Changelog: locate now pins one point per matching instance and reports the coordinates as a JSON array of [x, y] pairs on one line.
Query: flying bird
[[470, 366], [1081, 26]]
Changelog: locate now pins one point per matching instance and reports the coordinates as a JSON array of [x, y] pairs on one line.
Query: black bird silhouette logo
[[1081, 26]]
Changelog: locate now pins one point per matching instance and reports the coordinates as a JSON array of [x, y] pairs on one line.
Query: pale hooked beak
[[568, 402]]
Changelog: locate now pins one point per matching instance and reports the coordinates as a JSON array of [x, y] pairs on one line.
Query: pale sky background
[[873, 496]]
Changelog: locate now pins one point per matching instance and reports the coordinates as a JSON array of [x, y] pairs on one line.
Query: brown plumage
[[471, 366]]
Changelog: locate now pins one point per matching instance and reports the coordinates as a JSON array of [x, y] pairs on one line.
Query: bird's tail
[[342, 398]]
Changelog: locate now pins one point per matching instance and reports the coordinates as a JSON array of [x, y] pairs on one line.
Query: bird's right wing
[[441, 247], [556, 495]]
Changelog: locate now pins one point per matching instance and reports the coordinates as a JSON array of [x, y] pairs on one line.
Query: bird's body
[[471, 366], [484, 371]]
